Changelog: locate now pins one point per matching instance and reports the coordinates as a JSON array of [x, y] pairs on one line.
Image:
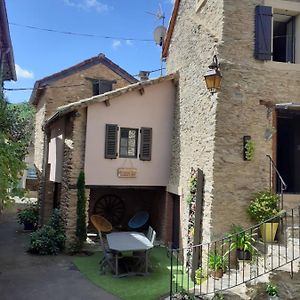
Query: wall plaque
[[127, 173]]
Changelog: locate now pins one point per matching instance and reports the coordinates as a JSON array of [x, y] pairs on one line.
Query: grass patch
[[149, 287]]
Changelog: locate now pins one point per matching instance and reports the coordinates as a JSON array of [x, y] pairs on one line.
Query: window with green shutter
[[146, 144], [111, 141]]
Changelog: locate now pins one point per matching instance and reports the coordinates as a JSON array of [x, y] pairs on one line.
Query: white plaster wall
[[155, 109]]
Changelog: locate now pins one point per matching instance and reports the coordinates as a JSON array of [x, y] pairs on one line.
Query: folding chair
[[104, 226]]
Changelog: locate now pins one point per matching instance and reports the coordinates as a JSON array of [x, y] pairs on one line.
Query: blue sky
[[39, 53]]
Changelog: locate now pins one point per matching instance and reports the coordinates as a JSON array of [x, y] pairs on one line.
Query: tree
[[15, 135]]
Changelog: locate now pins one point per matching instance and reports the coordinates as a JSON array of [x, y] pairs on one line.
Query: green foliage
[[21, 126], [16, 127], [241, 240], [28, 215], [249, 150], [272, 289], [200, 275], [264, 206], [216, 261], [49, 239], [193, 184], [218, 296], [81, 209]]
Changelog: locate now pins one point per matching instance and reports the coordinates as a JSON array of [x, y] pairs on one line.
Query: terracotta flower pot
[[217, 273]]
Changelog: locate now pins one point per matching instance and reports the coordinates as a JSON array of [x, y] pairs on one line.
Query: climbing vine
[[191, 201]]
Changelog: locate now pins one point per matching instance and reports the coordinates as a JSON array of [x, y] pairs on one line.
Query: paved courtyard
[[25, 277]]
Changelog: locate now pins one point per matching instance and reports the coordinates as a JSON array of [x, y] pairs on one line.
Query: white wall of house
[[55, 157], [154, 109]]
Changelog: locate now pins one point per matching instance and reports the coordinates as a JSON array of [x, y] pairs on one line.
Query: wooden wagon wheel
[[110, 207]]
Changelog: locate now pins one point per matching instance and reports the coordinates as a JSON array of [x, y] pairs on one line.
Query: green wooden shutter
[[111, 141], [146, 144]]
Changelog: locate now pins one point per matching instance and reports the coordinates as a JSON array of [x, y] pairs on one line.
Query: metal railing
[[276, 184], [237, 258]]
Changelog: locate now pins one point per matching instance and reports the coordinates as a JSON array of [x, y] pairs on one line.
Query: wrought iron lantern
[[213, 76]]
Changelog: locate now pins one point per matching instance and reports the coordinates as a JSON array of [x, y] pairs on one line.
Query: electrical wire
[[81, 34], [65, 86]]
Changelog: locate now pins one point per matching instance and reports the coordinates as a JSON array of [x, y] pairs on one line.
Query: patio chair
[[104, 226], [139, 220], [151, 235]]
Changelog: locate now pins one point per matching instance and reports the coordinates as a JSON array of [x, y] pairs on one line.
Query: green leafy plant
[[218, 296], [272, 290], [216, 261], [193, 184], [264, 206], [28, 215], [240, 239], [49, 239], [81, 209], [249, 150], [200, 275]]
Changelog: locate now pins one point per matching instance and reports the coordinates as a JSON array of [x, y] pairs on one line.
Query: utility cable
[[81, 34], [65, 86]]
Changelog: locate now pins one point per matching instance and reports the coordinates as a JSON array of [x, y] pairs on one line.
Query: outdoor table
[[129, 241]]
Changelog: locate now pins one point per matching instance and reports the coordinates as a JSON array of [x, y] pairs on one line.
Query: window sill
[[281, 66]]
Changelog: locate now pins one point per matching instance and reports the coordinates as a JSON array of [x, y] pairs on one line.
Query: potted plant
[[216, 264], [264, 209], [272, 291], [241, 241], [28, 216]]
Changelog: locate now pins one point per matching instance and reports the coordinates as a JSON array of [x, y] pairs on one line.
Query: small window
[[102, 86], [283, 38], [128, 142]]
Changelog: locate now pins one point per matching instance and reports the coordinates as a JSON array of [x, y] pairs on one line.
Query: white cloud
[[116, 44], [89, 5], [22, 73], [129, 42]]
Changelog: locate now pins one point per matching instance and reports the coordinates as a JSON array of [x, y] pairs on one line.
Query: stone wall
[[194, 42], [73, 163], [208, 129]]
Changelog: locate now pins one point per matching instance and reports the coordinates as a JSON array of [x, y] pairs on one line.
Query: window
[[128, 142], [102, 86], [275, 31]]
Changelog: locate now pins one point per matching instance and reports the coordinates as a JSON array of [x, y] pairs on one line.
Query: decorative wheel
[[110, 207]]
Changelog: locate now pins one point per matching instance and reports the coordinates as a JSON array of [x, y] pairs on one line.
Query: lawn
[[150, 287]]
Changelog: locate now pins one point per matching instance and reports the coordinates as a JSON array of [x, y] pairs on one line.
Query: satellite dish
[[159, 34]]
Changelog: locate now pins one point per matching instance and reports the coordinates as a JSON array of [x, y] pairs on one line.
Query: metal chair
[[104, 226], [139, 220]]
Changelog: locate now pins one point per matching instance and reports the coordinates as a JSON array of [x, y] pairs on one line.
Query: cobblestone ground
[[27, 277]]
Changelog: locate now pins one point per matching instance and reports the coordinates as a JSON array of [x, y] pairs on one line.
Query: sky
[[41, 53]]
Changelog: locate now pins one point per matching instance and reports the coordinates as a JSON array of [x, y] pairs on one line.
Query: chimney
[[144, 75]]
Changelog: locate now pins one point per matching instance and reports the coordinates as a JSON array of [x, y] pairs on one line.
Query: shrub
[[272, 289], [264, 206], [216, 262], [28, 215], [49, 239]]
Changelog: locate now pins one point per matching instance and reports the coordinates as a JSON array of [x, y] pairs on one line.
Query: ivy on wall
[[191, 201]]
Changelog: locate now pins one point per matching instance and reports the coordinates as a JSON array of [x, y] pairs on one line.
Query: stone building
[[91, 77], [122, 141], [259, 54]]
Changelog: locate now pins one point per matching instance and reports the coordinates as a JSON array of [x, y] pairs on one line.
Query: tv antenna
[[159, 15]]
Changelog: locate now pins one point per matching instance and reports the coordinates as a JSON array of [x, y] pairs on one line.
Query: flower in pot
[[216, 264], [242, 241], [264, 209], [28, 216], [272, 291]]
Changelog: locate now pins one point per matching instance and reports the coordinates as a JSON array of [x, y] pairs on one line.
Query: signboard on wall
[[127, 172]]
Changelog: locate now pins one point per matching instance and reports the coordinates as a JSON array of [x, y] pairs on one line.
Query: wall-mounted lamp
[[213, 76]]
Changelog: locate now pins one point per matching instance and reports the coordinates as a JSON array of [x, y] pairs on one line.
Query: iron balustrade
[[266, 256]]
